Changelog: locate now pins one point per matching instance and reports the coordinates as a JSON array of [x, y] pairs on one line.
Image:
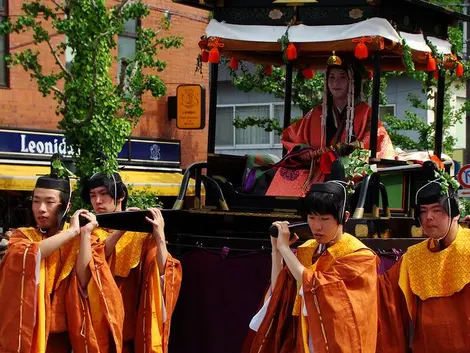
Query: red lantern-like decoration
[[459, 70], [308, 73], [268, 70], [431, 63], [361, 51], [214, 55], [291, 52], [233, 63]]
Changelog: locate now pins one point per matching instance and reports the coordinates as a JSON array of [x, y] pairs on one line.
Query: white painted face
[[338, 83]]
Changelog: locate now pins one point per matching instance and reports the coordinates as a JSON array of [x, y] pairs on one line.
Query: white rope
[[350, 106], [324, 114]]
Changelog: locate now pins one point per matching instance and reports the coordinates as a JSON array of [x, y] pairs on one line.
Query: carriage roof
[[251, 30]]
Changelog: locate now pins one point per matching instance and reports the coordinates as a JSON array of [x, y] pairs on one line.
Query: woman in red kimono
[[342, 119]]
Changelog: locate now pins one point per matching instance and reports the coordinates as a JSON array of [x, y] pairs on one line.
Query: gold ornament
[[334, 60]]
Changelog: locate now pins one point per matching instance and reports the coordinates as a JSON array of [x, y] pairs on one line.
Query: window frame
[[235, 146], [4, 14], [392, 105], [130, 35]]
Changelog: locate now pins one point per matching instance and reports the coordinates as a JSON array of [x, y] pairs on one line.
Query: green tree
[[426, 132], [97, 115], [452, 115]]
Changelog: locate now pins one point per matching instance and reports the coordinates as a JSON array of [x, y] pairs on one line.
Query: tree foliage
[[97, 114]]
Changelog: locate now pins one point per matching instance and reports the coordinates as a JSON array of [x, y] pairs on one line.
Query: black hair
[[322, 203], [431, 193], [114, 186]]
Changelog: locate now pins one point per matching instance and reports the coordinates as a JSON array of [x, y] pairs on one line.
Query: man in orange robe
[[148, 277], [52, 283], [424, 299], [324, 299], [342, 119]]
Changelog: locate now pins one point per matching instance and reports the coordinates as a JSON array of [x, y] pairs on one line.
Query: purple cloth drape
[[220, 294]]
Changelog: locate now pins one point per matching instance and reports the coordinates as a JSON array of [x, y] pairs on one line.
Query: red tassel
[[204, 56], [233, 63], [214, 56], [268, 70], [371, 74], [361, 51], [436, 74], [308, 73], [459, 70], [431, 63], [291, 52]]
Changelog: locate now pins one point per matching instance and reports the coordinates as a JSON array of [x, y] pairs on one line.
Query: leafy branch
[[97, 114], [267, 124], [356, 164]]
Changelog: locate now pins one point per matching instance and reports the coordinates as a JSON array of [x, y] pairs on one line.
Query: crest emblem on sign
[[155, 152]]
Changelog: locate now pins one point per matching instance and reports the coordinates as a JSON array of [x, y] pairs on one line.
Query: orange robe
[[424, 300], [45, 309], [135, 269], [307, 131], [340, 297]]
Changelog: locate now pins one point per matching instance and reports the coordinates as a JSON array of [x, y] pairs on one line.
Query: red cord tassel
[[233, 63], [308, 73], [291, 52], [459, 70], [268, 70], [214, 56], [361, 51], [431, 63]]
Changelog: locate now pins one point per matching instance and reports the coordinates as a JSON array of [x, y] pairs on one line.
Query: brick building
[[23, 108]]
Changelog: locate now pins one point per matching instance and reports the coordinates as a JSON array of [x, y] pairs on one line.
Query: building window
[[69, 56], [385, 110], [3, 47], [127, 42], [229, 137]]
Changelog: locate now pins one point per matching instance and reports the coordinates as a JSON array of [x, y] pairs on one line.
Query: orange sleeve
[[173, 277], [343, 301], [279, 331], [18, 294], [393, 317], [298, 133], [345, 268], [152, 333], [95, 317]]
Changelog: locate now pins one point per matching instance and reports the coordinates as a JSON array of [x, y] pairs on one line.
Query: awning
[[23, 178], [303, 34], [261, 43]]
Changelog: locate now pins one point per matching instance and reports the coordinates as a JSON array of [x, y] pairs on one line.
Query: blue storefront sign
[[40, 145]]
